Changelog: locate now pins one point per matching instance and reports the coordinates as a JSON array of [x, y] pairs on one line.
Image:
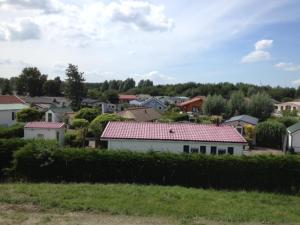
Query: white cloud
[[141, 14], [291, 67], [259, 54], [47, 6], [296, 82], [155, 76], [25, 30], [263, 44]]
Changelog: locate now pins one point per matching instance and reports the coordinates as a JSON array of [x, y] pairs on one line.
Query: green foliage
[[260, 106], [270, 134], [36, 162], [174, 117], [6, 89], [7, 149], [74, 89], [204, 119], [31, 81], [237, 104], [73, 139], [53, 87], [292, 113], [288, 120], [28, 115], [87, 113], [111, 96], [14, 131], [214, 105], [80, 123]]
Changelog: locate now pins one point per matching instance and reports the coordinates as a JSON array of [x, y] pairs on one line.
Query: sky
[[167, 41]]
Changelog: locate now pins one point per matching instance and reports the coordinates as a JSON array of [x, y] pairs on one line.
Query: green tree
[[87, 113], [28, 115], [260, 106], [129, 83], [112, 96], [145, 83], [98, 125], [237, 103], [214, 105], [75, 89], [270, 134], [82, 125], [53, 87], [31, 81], [6, 89], [105, 86]]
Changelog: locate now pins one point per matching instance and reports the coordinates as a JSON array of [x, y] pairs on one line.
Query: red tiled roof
[[10, 99], [192, 100], [44, 125], [172, 132], [127, 97]]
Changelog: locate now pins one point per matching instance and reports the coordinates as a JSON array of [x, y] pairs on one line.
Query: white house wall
[[6, 117], [49, 134], [169, 146]]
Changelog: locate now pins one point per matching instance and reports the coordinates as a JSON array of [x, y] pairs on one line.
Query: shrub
[[28, 115], [87, 113], [7, 148], [14, 131], [288, 120], [73, 139], [51, 164], [174, 117], [270, 134], [260, 106], [214, 105]]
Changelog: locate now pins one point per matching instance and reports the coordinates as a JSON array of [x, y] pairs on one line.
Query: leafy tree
[[105, 86], [111, 96], [6, 89], [270, 134], [288, 120], [237, 103], [82, 125], [98, 125], [87, 113], [261, 106], [129, 83], [145, 83], [28, 115], [75, 89], [214, 105], [53, 87], [31, 81]]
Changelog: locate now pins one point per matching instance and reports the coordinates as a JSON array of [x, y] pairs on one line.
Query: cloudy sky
[[168, 41]]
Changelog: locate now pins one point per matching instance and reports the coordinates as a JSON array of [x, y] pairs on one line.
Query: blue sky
[[168, 41]]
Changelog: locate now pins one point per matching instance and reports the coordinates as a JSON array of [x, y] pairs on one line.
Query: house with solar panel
[[45, 131], [10, 105], [174, 137]]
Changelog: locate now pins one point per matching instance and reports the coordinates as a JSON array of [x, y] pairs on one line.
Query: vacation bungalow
[[240, 121], [193, 105], [174, 137]]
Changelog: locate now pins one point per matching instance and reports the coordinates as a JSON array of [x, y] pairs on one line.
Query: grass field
[[143, 205]]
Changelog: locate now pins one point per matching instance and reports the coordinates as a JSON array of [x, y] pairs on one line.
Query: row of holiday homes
[[179, 137]]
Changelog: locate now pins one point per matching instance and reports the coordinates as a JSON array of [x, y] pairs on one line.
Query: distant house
[[240, 121], [293, 137], [174, 137], [127, 98], [140, 114], [43, 103], [57, 114], [89, 102], [150, 103], [172, 100], [45, 130], [287, 106], [9, 106], [193, 105]]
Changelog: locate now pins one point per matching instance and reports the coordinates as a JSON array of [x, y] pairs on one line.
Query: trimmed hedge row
[[7, 149], [38, 163], [14, 131]]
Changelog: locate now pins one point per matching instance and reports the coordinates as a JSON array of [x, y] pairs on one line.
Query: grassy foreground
[[186, 205]]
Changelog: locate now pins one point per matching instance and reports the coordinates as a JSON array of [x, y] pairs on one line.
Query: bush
[[270, 134], [14, 131], [288, 120], [214, 105], [260, 106], [73, 139], [87, 113], [174, 117], [51, 164], [7, 148], [28, 115]]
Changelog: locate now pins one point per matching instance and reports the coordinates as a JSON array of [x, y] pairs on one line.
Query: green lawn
[[182, 204]]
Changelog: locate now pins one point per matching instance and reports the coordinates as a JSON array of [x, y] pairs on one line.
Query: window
[[186, 149], [40, 136], [57, 135], [203, 149], [49, 117], [213, 150], [230, 150], [194, 150], [239, 129], [221, 151], [13, 116]]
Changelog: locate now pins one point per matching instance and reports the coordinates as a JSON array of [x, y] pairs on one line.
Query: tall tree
[[237, 103], [261, 106], [6, 89], [53, 87], [129, 83], [75, 89], [31, 81], [214, 105]]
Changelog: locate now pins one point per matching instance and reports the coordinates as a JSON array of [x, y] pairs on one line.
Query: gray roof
[[90, 101], [4, 107], [61, 109], [294, 128], [245, 118]]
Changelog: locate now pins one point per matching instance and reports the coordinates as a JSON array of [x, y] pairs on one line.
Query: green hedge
[[39, 163], [14, 131], [7, 149]]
